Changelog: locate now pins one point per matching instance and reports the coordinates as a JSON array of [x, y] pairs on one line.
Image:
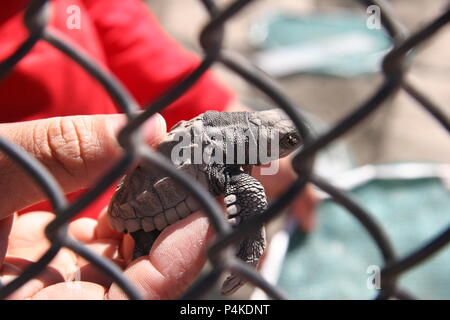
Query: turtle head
[[275, 124]]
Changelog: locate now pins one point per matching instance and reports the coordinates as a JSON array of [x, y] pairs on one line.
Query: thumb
[[76, 150]]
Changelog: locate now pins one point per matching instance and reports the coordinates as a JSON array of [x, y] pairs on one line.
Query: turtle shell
[[145, 199]]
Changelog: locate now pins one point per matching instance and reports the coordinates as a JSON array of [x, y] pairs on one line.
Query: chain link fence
[[220, 253]]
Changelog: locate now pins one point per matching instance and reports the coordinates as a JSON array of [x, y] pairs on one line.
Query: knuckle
[[71, 143]]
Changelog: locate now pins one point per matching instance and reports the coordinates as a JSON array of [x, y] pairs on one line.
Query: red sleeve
[[121, 34], [10, 8], [148, 61]]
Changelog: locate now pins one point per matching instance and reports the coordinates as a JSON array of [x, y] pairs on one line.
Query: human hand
[[76, 150], [176, 257]]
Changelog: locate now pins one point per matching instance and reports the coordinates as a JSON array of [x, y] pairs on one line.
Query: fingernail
[[153, 130]]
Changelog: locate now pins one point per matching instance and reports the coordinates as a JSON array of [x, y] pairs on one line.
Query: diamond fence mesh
[[220, 252]]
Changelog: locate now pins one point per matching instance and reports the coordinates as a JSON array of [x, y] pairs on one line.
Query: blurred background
[[400, 131], [326, 59]]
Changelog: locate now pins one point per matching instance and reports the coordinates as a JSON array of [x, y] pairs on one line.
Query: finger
[[74, 290], [13, 267], [175, 259], [126, 249], [104, 229], [284, 176], [76, 150], [5, 230], [28, 243], [304, 209], [83, 229], [108, 248]]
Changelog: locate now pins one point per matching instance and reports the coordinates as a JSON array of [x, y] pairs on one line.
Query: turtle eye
[[293, 140]]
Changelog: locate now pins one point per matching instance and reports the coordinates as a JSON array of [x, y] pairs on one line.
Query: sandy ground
[[400, 131]]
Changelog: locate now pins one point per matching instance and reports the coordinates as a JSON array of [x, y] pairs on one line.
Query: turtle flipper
[[143, 241], [244, 198]]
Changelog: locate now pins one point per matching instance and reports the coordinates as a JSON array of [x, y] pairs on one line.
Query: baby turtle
[[217, 149]]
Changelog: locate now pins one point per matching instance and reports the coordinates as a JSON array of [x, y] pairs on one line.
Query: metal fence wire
[[220, 252]]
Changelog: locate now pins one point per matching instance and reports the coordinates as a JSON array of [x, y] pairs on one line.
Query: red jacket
[[126, 39]]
